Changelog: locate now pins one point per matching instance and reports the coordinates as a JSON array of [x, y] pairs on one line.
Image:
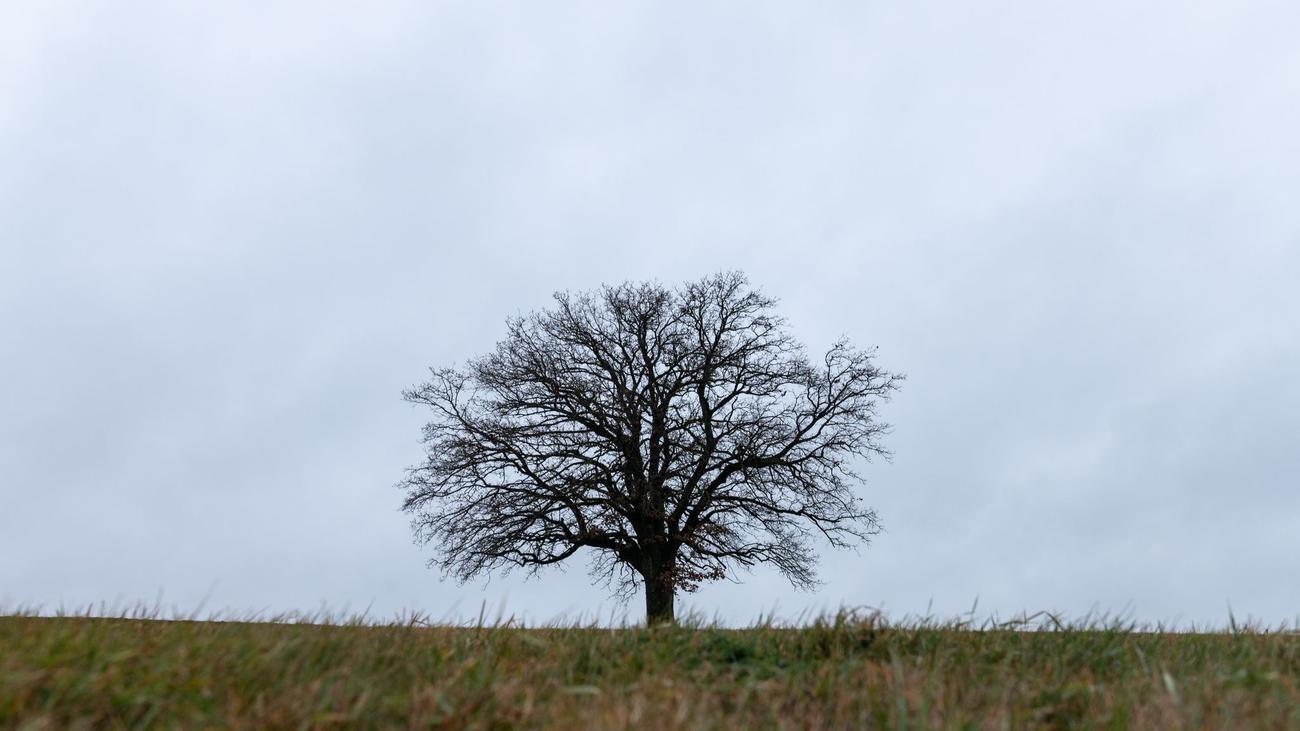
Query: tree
[[681, 433]]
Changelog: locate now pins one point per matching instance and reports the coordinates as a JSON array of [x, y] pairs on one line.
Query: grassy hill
[[845, 672]]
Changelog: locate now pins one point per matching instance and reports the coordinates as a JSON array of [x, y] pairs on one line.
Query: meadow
[[853, 670]]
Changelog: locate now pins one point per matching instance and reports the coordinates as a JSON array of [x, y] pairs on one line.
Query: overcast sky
[[231, 233]]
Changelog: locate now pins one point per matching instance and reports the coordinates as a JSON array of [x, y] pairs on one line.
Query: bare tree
[[681, 432]]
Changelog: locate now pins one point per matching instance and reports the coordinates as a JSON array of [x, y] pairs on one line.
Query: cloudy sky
[[231, 234]]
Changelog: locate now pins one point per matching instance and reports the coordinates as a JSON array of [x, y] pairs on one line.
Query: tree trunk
[[656, 569], [658, 600]]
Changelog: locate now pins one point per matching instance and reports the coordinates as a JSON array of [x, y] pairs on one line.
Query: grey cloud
[[229, 237]]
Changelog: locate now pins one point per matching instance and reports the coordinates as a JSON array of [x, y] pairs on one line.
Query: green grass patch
[[850, 671]]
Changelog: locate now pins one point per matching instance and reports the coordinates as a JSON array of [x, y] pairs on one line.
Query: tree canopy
[[681, 433]]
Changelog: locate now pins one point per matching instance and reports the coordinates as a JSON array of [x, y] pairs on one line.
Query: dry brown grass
[[852, 671]]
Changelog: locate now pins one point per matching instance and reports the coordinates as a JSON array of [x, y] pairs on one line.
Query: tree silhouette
[[680, 432]]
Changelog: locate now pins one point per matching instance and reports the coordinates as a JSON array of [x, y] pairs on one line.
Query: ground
[[850, 671]]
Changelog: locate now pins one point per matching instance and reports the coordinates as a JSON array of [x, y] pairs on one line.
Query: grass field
[[845, 672]]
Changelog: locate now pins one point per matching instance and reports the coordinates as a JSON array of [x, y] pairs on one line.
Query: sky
[[232, 233]]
